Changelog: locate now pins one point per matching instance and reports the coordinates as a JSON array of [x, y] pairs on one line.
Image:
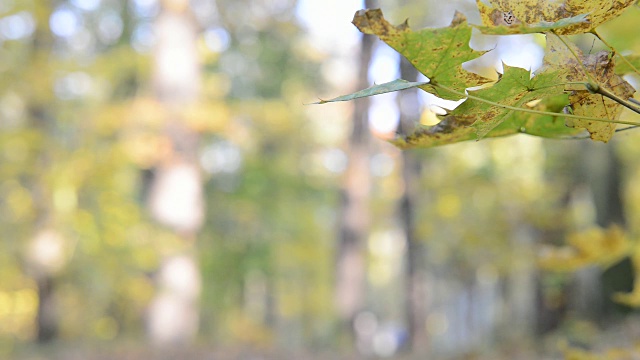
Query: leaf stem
[[561, 84], [595, 33], [571, 116]]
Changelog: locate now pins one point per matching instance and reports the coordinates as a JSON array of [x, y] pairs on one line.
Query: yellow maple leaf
[[595, 246], [512, 12]]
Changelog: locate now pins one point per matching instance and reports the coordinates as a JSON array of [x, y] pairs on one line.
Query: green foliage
[[571, 93]]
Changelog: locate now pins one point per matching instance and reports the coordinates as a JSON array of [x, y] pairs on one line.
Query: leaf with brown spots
[[585, 103], [436, 53], [503, 13], [454, 129], [497, 22], [601, 68], [515, 88]]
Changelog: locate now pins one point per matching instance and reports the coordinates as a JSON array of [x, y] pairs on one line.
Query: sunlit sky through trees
[[327, 23]]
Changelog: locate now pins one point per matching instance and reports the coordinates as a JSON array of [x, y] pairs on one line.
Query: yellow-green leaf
[[497, 22], [436, 53], [603, 247], [580, 69], [534, 12]]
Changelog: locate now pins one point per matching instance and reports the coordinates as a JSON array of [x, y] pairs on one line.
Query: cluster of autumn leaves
[[560, 100], [571, 93]]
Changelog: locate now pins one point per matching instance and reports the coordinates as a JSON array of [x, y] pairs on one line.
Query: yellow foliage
[[17, 312], [249, 330], [449, 206], [610, 354], [106, 328], [592, 247], [208, 116], [147, 112], [146, 149], [112, 120], [579, 354]]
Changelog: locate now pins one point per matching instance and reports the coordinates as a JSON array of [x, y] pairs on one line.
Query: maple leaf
[[548, 126], [536, 13], [599, 67], [436, 53], [475, 119], [597, 246], [504, 23], [515, 88], [566, 91], [454, 129]]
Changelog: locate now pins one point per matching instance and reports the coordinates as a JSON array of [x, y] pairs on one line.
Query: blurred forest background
[[165, 193]]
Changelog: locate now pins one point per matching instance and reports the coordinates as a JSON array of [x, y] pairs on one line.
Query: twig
[[594, 32]]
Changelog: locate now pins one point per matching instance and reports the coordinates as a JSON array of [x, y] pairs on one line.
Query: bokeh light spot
[[217, 39], [65, 22], [87, 5], [18, 26]]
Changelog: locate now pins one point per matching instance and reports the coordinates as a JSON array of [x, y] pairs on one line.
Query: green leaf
[[452, 130], [391, 86], [515, 88], [547, 126], [436, 53]]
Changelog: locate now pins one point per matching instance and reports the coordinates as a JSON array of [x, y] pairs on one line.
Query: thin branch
[[604, 92], [593, 86], [562, 84]]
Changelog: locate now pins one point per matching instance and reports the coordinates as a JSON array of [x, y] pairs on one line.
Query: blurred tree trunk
[[415, 297], [176, 189], [355, 215], [610, 210], [47, 318], [41, 118], [592, 290], [521, 282]]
